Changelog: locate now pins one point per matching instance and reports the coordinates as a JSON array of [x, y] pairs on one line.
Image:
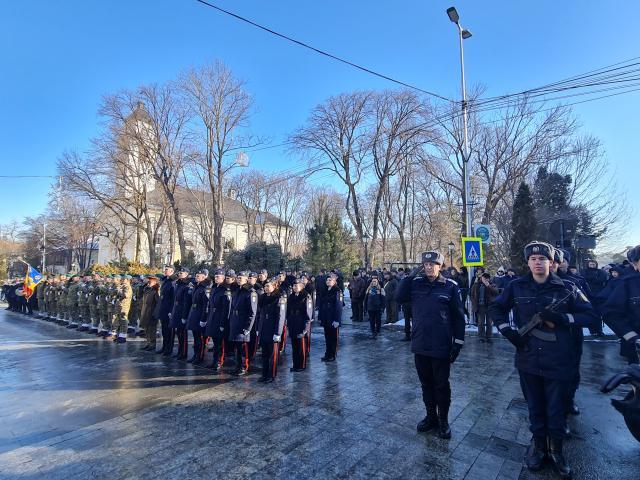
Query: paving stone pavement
[[75, 407]]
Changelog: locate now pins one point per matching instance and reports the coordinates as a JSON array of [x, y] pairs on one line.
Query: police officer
[[330, 316], [299, 316], [218, 318], [165, 307], [244, 305], [197, 319], [272, 312], [183, 291], [621, 310], [437, 335], [545, 356]]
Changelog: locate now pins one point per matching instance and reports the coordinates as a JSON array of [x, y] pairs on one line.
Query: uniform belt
[[544, 336]]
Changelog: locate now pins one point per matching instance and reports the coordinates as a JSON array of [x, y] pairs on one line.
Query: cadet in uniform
[[197, 319], [253, 340], [148, 321], [437, 336], [183, 289], [164, 309], [545, 356], [299, 316], [218, 318], [621, 310], [244, 305], [122, 307], [272, 312], [330, 316]]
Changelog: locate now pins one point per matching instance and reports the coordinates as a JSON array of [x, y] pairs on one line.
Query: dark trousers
[[331, 341], [199, 344], [546, 399], [219, 346], [253, 341], [408, 317], [150, 332], [167, 336], [434, 380], [392, 311], [375, 320], [485, 324], [357, 307], [299, 351], [183, 342], [270, 353], [242, 355]]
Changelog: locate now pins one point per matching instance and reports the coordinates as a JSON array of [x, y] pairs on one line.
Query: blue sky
[[58, 58]]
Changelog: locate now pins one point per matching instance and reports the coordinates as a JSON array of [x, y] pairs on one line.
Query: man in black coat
[[197, 319], [183, 288], [164, 308], [299, 317], [244, 306], [437, 336], [545, 355], [330, 316], [218, 318]]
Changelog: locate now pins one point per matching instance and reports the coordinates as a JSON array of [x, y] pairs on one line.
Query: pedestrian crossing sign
[[473, 253]]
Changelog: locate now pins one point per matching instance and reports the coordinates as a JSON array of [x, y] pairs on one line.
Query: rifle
[[537, 320]]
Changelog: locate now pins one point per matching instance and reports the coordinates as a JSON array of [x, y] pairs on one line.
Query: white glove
[[246, 332], [169, 314], [222, 329], [335, 324], [276, 338], [203, 324], [184, 321]]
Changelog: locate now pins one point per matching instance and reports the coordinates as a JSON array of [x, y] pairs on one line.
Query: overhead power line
[[322, 52]]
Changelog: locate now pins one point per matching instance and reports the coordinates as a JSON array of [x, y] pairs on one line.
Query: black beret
[[433, 257], [539, 248]]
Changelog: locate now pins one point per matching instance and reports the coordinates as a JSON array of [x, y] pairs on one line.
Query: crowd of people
[[541, 312]]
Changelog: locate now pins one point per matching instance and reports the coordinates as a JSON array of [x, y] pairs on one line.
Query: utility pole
[[44, 247]]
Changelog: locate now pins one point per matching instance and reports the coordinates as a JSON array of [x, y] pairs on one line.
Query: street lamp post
[[463, 34], [365, 239], [451, 250]]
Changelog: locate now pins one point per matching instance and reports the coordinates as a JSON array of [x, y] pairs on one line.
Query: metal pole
[[465, 147], [44, 247]]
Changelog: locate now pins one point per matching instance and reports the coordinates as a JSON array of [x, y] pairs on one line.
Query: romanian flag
[[32, 279]]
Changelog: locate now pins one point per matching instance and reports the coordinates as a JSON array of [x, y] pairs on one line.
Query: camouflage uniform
[[103, 308], [72, 303], [111, 324], [122, 308], [136, 306], [40, 297], [92, 300], [83, 306], [62, 301]]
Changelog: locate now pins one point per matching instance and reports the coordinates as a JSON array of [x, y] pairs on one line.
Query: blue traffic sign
[[473, 254]]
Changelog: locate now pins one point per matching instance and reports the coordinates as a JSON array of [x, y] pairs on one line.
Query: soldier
[[621, 310], [197, 318], [310, 288], [437, 336], [330, 316], [244, 306], [165, 307], [263, 275], [182, 291], [272, 313], [62, 300], [52, 296], [253, 340], [122, 307], [137, 287], [148, 321], [299, 317], [218, 318], [104, 302], [548, 307], [83, 303], [47, 301], [93, 301], [39, 293], [112, 319], [73, 294]]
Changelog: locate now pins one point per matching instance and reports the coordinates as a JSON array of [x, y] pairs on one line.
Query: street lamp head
[[466, 33], [451, 246], [453, 14]]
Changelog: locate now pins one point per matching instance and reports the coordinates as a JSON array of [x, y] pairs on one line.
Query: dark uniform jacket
[[181, 302], [596, 279], [273, 310], [165, 305], [330, 306], [199, 303], [438, 318], [150, 299], [621, 310], [219, 309], [549, 359], [244, 305], [299, 313]]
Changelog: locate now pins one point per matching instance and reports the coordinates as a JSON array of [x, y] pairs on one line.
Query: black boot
[[444, 431], [557, 458], [430, 422], [536, 453]]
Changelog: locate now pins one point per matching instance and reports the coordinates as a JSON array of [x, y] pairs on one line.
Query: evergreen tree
[[523, 225], [330, 245]]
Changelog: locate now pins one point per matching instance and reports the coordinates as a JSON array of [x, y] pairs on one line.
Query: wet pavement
[[72, 406]]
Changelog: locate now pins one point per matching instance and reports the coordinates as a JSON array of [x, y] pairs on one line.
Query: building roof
[[234, 211]]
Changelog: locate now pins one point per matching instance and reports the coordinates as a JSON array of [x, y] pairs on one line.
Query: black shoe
[[323, 359], [240, 373], [557, 458], [536, 453], [428, 423], [573, 409], [269, 380], [167, 353], [161, 352], [330, 359], [407, 338], [296, 369], [444, 431], [481, 340], [192, 359]]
